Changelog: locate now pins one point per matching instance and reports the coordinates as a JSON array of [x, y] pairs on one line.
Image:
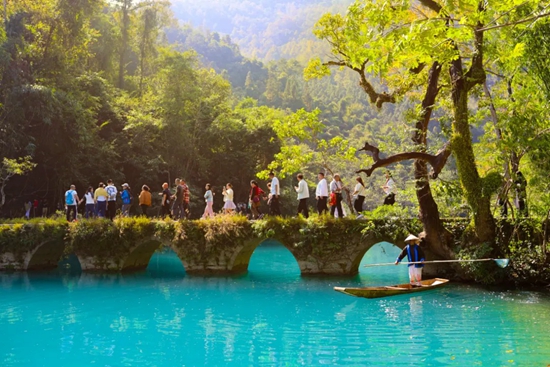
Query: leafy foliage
[[106, 98], [116, 89], [18, 238]]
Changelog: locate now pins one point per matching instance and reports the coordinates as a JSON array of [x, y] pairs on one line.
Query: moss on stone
[[322, 245], [21, 238]]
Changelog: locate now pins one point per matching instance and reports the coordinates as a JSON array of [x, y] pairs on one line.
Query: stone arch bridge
[[322, 246]]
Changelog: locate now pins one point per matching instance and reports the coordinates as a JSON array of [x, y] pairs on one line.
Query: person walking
[[275, 194], [267, 198], [359, 193], [209, 199], [229, 205], [186, 197], [336, 187], [303, 194], [111, 199], [44, 208], [28, 207], [126, 196], [389, 189], [414, 253], [71, 203], [145, 199], [321, 194], [35, 204], [100, 198], [254, 199], [177, 201], [89, 210], [165, 203]]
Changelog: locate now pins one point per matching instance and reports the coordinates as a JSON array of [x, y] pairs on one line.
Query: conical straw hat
[[412, 238]]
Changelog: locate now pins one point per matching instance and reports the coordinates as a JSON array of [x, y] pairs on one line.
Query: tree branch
[[376, 98], [514, 23], [336, 63], [432, 5], [437, 161], [476, 74]]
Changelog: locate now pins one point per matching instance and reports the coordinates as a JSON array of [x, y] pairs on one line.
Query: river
[[268, 317]]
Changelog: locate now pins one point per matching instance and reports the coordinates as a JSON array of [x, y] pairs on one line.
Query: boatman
[[414, 254]]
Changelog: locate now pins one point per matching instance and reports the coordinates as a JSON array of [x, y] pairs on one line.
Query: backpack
[[332, 201], [69, 197]]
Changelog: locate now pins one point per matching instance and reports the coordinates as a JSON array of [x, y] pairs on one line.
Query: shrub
[[23, 236]]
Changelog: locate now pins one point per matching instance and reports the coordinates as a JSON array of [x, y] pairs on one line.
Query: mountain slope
[[263, 29]]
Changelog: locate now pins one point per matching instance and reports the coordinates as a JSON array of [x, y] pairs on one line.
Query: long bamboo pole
[[500, 262]]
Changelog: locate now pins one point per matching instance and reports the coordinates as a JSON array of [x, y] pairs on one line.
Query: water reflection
[[270, 316], [383, 252]]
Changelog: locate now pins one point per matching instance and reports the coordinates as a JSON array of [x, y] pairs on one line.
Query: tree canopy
[[119, 89]]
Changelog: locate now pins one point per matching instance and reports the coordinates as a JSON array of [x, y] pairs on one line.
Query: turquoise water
[[269, 317]]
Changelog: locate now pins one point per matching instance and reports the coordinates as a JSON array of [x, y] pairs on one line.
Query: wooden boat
[[394, 290]]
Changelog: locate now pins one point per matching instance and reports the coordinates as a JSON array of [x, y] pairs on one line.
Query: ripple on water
[[269, 317]]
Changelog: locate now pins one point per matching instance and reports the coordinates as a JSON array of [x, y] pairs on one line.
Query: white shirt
[[228, 196], [302, 190], [322, 188], [336, 186], [89, 198], [112, 191], [360, 189], [389, 186], [275, 187]]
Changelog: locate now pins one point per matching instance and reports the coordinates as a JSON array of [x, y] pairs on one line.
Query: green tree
[[405, 44], [12, 167]]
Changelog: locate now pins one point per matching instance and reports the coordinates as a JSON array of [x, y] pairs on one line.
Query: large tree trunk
[[437, 237], [461, 143]]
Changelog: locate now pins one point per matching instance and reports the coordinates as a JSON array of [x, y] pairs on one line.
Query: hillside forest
[[450, 96], [121, 90]]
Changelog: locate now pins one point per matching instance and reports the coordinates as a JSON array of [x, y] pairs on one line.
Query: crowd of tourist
[[102, 201]]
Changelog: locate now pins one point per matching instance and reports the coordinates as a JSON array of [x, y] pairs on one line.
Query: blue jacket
[[126, 197], [414, 253]]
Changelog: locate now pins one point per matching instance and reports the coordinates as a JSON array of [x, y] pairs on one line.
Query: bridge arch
[[367, 244], [141, 253], [45, 256], [165, 262], [242, 255], [241, 259], [120, 258]]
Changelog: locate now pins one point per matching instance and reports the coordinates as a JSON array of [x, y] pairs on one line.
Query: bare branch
[[507, 12], [496, 74], [336, 63], [525, 20], [437, 161]]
